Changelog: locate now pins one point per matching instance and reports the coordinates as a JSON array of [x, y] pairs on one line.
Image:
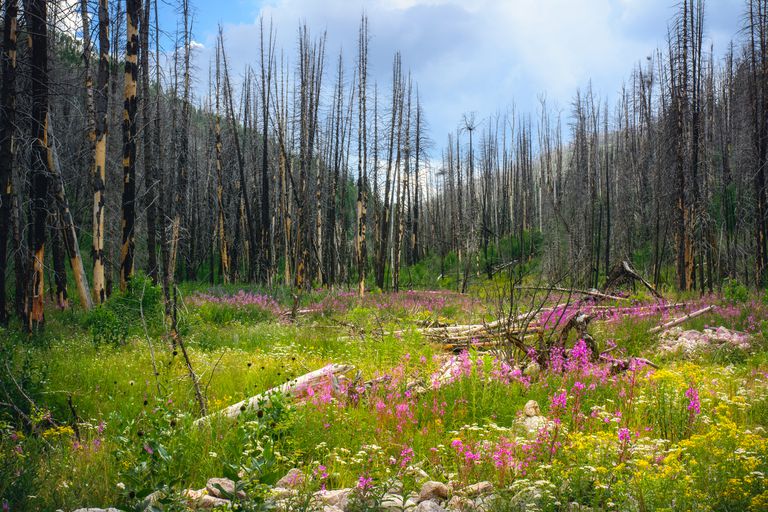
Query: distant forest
[[305, 173]]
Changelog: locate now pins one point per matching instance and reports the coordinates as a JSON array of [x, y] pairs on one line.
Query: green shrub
[[222, 314], [123, 313], [735, 291]]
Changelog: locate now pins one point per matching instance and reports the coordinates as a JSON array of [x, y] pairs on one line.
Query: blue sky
[[478, 56]]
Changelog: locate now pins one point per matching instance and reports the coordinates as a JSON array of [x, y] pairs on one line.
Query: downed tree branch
[[590, 293], [624, 272], [682, 319], [292, 388]]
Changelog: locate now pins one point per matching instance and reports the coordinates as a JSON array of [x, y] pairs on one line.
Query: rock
[[92, 509], [459, 504], [486, 503], [429, 506], [477, 489], [332, 508], [532, 409], [433, 490], [226, 484], [532, 369], [151, 500], [209, 502], [292, 480], [192, 495], [533, 424], [337, 498], [396, 502], [676, 339]]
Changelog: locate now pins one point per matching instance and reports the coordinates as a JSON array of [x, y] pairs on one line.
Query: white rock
[[459, 503], [292, 480], [92, 509], [533, 424], [226, 484], [396, 502], [337, 498], [532, 370], [485, 503], [193, 495], [477, 489], [209, 502], [429, 506], [532, 409], [433, 490]]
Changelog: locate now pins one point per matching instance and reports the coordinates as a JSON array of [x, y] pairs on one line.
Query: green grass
[[135, 434]]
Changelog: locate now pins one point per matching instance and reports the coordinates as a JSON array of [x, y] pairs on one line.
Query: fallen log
[[590, 293], [624, 272], [682, 319], [290, 388]]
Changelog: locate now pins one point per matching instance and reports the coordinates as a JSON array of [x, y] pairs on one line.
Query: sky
[[466, 56]]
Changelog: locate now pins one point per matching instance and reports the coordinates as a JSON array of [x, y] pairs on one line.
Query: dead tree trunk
[[362, 158], [7, 146], [150, 169], [221, 217], [37, 20], [127, 245]]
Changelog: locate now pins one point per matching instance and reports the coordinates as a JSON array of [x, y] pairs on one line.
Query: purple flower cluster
[[240, 299]]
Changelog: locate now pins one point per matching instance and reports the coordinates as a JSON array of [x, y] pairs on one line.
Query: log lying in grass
[[290, 388], [589, 293], [682, 319]]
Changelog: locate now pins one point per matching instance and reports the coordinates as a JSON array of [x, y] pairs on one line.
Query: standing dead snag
[[99, 163], [37, 20], [221, 217], [150, 168], [127, 247], [362, 158], [7, 147]]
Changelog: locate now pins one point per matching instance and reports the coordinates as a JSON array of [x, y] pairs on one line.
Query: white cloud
[[483, 55]]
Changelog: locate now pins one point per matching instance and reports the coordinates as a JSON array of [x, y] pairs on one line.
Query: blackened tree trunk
[[150, 169], [221, 224], [99, 163], [266, 250], [37, 16], [7, 149], [127, 247], [362, 158]]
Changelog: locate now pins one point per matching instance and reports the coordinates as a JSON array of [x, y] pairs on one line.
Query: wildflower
[[694, 405], [559, 400], [406, 456], [148, 449], [364, 483], [624, 435]]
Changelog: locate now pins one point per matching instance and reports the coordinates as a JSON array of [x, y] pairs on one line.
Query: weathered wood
[[680, 320], [624, 272], [290, 388], [68, 225], [591, 293]]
